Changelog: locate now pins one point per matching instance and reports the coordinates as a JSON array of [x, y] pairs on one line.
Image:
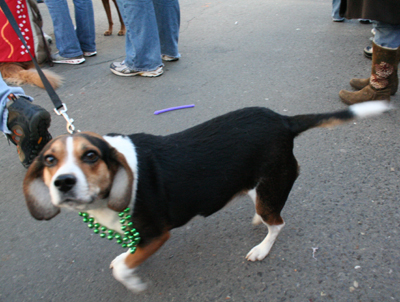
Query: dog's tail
[[20, 73], [301, 123]]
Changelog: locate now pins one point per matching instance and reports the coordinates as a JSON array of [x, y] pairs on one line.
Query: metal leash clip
[[63, 111]]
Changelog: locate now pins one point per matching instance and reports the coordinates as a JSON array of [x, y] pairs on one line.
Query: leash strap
[[59, 107]]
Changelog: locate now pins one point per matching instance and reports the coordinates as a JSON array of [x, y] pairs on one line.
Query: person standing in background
[[152, 33], [335, 11], [383, 81], [73, 44]]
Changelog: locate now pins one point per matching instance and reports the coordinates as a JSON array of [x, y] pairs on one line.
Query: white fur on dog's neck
[[101, 213], [106, 217]]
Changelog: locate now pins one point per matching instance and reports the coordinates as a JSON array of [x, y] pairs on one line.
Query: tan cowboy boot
[[381, 80], [361, 83]]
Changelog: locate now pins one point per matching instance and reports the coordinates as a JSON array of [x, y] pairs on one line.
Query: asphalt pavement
[[341, 240]]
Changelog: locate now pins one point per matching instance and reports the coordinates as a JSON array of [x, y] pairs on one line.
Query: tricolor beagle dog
[[167, 180]]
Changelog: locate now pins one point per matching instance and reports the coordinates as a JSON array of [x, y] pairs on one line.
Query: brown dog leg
[[122, 30], [107, 8]]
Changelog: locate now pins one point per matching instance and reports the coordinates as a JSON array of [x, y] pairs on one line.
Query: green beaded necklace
[[130, 236]]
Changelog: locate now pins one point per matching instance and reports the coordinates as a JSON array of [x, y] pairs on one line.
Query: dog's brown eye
[[50, 160], [90, 157]]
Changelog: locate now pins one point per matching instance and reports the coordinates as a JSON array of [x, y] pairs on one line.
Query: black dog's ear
[[121, 189], [37, 194]]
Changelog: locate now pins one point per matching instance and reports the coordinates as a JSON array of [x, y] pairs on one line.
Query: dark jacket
[[386, 11]]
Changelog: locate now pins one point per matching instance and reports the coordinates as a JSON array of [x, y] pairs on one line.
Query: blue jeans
[[70, 42], [152, 30], [335, 10], [387, 35], [5, 90]]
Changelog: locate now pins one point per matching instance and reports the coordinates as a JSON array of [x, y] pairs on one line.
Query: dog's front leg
[[126, 275], [122, 30], [124, 265]]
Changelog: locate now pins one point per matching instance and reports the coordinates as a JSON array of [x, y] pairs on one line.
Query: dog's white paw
[[127, 275], [118, 259], [257, 253]]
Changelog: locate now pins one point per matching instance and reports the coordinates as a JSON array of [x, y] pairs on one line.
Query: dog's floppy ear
[[121, 189], [37, 194]]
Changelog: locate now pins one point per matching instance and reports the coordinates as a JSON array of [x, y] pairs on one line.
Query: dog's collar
[[129, 237]]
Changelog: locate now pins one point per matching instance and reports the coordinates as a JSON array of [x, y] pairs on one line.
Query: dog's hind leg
[[107, 8], [260, 251], [257, 218], [271, 195], [122, 31]]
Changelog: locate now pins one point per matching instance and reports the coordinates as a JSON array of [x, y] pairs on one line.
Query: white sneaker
[[169, 58], [89, 53], [119, 68], [56, 58]]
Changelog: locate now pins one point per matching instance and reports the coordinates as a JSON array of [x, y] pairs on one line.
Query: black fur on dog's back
[[199, 170], [193, 172]]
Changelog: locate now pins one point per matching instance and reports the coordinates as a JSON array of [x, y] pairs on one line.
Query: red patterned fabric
[[11, 48]]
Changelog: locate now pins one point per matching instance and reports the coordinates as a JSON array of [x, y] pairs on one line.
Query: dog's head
[[76, 171]]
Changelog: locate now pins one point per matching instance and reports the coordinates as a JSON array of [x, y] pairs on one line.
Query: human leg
[[66, 40], [168, 21], [335, 11], [143, 51], [383, 74], [359, 84], [85, 28], [386, 36]]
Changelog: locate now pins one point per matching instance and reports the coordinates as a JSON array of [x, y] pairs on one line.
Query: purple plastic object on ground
[[173, 108]]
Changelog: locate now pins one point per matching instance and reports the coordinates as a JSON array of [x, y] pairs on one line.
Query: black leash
[[59, 107]]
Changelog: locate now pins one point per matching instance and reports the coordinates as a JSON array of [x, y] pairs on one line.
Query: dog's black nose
[[65, 182]]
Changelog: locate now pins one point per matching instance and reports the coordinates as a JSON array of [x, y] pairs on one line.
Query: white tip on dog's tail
[[371, 108], [300, 123]]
